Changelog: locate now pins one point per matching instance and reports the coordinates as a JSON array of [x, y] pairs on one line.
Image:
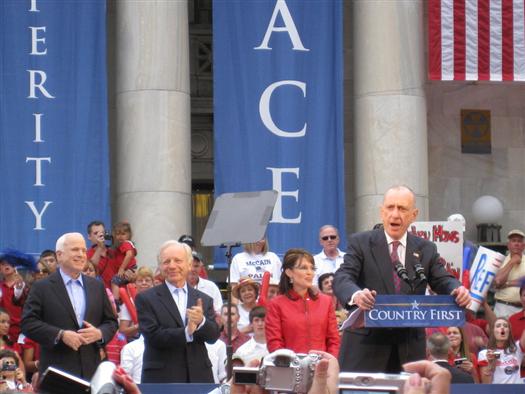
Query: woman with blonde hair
[[254, 262]]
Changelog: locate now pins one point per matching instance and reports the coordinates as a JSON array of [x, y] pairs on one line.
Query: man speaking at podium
[[371, 267]]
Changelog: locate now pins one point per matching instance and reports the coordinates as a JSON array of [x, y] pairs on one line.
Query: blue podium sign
[[415, 311]]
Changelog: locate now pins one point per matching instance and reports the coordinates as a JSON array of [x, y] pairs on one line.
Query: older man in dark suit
[[368, 270], [176, 320], [69, 314]]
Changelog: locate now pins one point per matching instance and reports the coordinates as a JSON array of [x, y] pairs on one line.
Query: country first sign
[[414, 311]]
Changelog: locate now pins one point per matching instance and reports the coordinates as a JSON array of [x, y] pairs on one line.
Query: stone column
[[390, 124], [152, 163]]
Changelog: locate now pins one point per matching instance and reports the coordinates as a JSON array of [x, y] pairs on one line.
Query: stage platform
[[455, 389]]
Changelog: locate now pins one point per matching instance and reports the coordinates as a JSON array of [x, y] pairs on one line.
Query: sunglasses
[[327, 237]]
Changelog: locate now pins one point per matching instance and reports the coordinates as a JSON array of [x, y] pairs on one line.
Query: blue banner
[[415, 311], [54, 170], [278, 81]]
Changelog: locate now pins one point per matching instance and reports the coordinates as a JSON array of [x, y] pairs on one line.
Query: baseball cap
[[188, 240], [198, 256], [516, 232]]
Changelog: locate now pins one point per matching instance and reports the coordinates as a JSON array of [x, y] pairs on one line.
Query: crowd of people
[[78, 305]]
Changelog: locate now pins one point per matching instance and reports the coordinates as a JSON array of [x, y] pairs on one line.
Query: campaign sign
[[484, 269], [448, 237], [415, 311]]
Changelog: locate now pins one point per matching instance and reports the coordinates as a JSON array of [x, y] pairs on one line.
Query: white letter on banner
[[277, 185], [33, 7], [38, 215], [40, 85], [35, 40], [264, 109], [289, 26], [38, 122], [38, 167]]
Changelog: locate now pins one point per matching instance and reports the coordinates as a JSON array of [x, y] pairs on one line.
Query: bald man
[[368, 270]]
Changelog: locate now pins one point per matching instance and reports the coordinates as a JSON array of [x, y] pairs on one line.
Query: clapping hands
[[194, 316]]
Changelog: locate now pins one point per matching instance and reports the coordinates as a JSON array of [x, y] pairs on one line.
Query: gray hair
[[327, 226], [63, 239], [438, 345], [167, 244]]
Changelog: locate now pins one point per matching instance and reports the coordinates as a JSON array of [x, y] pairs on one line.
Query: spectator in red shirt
[[301, 318], [125, 252], [99, 253], [12, 284]]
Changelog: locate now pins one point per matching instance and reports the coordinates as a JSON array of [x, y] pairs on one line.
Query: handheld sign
[[484, 269], [414, 311]]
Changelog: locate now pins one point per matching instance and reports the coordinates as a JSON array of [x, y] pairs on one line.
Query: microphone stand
[[229, 345]]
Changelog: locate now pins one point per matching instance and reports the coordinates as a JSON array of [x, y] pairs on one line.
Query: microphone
[[420, 272], [401, 271]]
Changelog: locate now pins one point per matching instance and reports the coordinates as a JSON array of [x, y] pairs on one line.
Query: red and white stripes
[[476, 40]]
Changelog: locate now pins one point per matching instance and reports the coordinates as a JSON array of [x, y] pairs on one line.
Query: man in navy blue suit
[[69, 314]]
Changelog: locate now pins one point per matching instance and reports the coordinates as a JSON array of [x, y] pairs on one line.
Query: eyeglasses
[[327, 237]]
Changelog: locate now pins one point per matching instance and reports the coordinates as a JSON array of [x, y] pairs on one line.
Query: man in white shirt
[[131, 358], [330, 258], [255, 348], [204, 285]]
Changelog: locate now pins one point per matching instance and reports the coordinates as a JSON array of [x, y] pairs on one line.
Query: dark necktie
[[394, 257]]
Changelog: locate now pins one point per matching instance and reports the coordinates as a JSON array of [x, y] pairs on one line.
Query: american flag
[[476, 40]]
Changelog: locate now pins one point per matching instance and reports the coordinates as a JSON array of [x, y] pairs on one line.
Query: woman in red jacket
[[300, 318]]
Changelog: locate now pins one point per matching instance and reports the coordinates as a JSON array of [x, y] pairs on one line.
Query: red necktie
[[395, 259]]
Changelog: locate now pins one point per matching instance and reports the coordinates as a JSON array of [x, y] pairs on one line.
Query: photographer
[[11, 373], [500, 362]]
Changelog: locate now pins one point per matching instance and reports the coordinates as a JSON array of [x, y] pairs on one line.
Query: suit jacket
[[458, 376], [49, 310], [367, 264], [168, 357]]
